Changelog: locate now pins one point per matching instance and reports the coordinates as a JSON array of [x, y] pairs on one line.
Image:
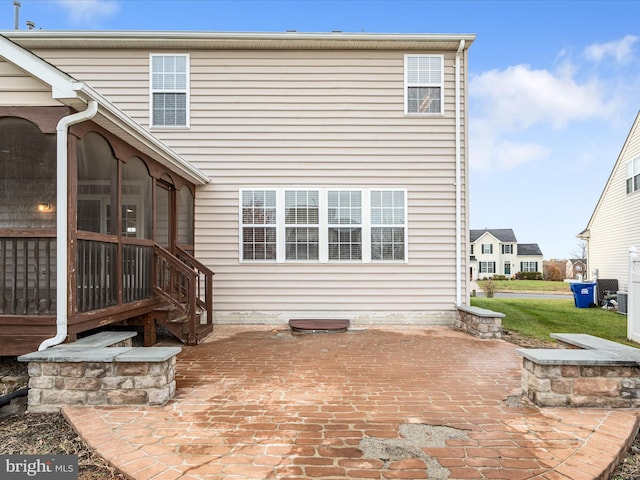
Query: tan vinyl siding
[[18, 88], [279, 118], [616, 225]]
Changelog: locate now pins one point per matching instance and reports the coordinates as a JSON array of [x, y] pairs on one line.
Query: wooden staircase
[[186, 286], [176, 321]]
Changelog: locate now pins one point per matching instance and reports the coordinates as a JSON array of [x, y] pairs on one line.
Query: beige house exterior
[[337, 163], [614, 226]]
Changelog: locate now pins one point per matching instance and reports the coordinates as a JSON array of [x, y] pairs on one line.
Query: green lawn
[[540, 317], [527, 285]]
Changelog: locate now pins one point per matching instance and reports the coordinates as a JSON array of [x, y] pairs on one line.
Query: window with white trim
[[424, 83], [487, 248], [323, 225], [507, 248], [388, 223], [344, 219], [259, 225], [302, 224], [633, 175], [169, 90], [528, 266], [487, 267]]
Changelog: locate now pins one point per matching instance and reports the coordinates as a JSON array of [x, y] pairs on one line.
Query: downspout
[[458, 181], [62, 221]]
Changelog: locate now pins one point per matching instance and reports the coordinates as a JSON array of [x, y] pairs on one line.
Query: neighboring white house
[[338, 162], [497, 252], [614, 225]]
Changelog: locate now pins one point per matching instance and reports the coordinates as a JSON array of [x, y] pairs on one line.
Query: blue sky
[[554, 85]]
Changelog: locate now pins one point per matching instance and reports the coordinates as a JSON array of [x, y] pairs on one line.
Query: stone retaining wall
[[479, 322], [581, 385], [55, 384]]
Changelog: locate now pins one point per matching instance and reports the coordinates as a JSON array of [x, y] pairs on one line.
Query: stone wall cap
[[149, 354], [555, 356], [59, 355], [481, 312], [104, 354], [592, 342]]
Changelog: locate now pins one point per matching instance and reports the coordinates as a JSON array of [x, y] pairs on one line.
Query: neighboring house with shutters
[[496, 252], [327, 174], [614, 226]]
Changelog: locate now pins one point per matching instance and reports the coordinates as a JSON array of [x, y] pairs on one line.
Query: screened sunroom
[[129, 246]]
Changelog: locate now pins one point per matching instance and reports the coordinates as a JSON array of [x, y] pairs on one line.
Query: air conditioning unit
[[622, 302]]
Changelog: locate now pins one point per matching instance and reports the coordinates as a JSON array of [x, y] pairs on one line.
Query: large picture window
[[169, 90], [323, 225], [424, 82]]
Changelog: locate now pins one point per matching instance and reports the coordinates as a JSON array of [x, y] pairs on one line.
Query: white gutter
[[62, 222], [458, 181]]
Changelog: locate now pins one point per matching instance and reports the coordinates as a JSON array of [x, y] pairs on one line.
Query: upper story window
[[487, 248], [507, 248], [633, 175], [169, 90], [424, 83]]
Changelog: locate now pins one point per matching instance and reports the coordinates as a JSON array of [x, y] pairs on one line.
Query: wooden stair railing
[[180, 281]]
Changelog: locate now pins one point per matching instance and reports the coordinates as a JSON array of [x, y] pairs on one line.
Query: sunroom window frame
[[186, 91]]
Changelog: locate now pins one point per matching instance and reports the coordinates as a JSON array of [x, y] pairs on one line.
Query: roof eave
[[234, 40]]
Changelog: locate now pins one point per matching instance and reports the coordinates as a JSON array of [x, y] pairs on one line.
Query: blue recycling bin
[[584, 294]]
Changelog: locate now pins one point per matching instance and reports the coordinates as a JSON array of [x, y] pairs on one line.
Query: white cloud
[[506, 105], [620, 50], [89, 12], [519, 97]]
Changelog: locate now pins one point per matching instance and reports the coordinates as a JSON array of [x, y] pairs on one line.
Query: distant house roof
[[502, 234], [529, 249]]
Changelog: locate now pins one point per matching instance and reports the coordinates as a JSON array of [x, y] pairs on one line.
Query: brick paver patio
[[380, 403]]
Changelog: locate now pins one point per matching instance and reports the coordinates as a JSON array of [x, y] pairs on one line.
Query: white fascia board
[[62, 85]]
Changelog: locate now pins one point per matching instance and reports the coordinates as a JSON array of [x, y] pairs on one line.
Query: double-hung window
[[424, 83], [528, 266], [487, 248], [388, 225], [302, 219], [259, 225], [507, 248], [633, 175], [487, 267], [323, 225], [169, 90], [345, 224]]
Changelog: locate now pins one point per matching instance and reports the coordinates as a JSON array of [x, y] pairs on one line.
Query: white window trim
[[407, 85], [186, 91], [632, 169], [323, 254]]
